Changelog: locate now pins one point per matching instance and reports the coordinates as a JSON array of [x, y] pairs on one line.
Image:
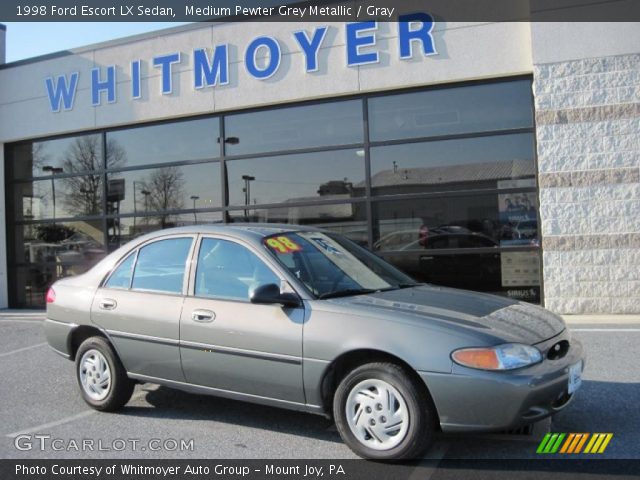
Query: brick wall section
[[588, 139]]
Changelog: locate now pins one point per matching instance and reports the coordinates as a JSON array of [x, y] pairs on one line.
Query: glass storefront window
[[46, 252], [349, 220], [464, 164], [121, 230], [324, 124], [465, 109], [68, 243], [163, 143], [165, 188], [58, 198], [330, 175], [512, 274], [425, 212], [66, 155], [480, 221]]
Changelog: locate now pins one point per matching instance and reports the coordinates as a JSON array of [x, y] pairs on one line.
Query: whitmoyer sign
[[262, 59]]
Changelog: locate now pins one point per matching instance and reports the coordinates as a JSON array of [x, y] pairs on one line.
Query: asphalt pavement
[[41, 406]]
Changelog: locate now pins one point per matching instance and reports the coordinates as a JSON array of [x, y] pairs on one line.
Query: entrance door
[[227, 342]]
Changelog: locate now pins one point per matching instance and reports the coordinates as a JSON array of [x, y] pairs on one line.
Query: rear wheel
[[103, 381], [382, 414]]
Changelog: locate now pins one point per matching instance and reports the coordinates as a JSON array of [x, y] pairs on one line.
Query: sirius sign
[[211, 66]]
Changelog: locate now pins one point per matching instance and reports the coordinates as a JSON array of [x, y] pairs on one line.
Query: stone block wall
[[588, 141]]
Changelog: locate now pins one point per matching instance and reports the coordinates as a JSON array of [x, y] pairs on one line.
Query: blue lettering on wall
[[355, 40], [165, 62], [62, 91], [98, 86], [212, 65], [422, 34], [209, 73], [311, 46], [135, 79], [250, 57]]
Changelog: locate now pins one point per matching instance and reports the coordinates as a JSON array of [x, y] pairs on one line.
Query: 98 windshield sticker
[[282, 244]]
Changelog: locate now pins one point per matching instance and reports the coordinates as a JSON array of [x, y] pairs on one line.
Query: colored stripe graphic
[[573, 443], [565, 447], [543, 443], [556, 446], [593, 440], [599, 444], [605, 443], [551, 443], [581, 443]]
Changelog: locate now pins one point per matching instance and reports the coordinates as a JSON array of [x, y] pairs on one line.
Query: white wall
[[562, 41], [465, 51]]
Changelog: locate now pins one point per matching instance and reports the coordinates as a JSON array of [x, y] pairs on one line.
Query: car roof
[[245, 230]]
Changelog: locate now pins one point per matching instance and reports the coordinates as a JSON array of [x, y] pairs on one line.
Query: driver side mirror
[[269, 294]]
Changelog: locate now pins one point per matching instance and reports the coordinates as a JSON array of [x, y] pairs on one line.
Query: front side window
[[160, 266], [329, 265], [228, 270]]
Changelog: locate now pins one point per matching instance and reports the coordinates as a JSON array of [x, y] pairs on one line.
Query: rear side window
[[121, 277], [160, 266]]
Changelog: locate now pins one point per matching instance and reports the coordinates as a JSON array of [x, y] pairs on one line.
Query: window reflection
[[69, 243], [481, 221], [168, 142], [514, 274], [296, 178], [451, 165], [71, 155], [121, 230], [338, 123], [52, 251], [58, 198], [346, 219], [466, 109], [165, 188]]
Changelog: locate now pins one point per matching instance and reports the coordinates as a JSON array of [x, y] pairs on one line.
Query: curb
[[601, 319]]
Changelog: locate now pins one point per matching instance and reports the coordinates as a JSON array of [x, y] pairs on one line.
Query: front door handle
[[107, 304], [203, 316]]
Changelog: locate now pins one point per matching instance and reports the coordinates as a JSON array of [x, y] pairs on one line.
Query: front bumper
[[477, 400]]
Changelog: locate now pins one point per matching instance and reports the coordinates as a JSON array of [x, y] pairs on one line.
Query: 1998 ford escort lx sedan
[[302, 318]]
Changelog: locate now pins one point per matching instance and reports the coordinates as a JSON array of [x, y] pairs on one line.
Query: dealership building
[[498, 157]]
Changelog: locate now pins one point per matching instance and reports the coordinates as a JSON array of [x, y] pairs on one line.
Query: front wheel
[[382, 414], [103, 381]]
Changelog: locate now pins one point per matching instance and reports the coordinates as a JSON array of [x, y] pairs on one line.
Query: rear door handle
[[107, 304], [203, 316]]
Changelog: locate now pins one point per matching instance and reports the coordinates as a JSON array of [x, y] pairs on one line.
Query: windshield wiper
[[346, 293], [400, 286]]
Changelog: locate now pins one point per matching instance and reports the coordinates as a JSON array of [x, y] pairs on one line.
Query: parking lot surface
[[42, 406]]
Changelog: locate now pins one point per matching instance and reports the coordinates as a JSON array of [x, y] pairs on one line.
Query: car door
[[139, 306], [226, 342]]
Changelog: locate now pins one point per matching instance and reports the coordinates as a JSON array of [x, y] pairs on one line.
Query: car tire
[[401, 429], [102, 379]]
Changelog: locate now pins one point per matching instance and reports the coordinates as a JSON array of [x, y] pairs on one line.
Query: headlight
[[502, 357]]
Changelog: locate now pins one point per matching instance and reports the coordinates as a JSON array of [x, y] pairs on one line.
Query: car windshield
[[332, 266]]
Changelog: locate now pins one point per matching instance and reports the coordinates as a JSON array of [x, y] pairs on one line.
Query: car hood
[[507, 320]]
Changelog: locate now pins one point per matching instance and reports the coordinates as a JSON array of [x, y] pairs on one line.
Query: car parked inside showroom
[[305, 319]]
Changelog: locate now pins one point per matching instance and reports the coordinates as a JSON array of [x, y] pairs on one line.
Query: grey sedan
[[301, 318]]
